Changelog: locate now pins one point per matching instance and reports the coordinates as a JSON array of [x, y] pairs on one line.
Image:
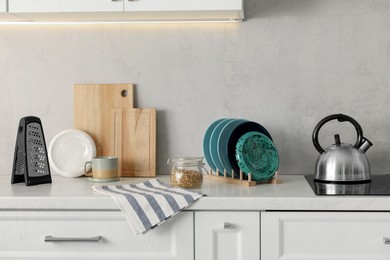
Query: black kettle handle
[[340, 118]]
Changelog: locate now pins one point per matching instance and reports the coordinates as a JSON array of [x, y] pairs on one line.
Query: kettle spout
[[365, 145]]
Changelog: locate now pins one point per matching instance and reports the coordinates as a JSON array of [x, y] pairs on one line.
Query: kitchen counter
[[294, 193]]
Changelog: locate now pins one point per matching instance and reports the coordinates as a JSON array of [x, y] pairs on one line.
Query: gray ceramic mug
[[103, 167]]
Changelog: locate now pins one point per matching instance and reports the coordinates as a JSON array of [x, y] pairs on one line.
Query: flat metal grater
[[31, 164]]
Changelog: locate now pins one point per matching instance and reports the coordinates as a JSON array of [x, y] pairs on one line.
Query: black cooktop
[[379, 186]]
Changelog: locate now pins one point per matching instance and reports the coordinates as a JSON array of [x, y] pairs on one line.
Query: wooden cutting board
[[93, 105], [134, 141]]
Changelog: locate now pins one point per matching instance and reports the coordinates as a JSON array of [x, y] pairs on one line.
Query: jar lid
[[186, 161]]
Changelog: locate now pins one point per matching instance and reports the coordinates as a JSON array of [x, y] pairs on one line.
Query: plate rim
[[216, 135], [206, 147], [226, 162]]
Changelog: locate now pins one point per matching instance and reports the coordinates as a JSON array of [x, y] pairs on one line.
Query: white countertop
[[294, 193]]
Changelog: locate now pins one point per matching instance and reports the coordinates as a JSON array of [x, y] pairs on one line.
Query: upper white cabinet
[[186, 9], [66, 10], [182, 5], [3, 6], [64, 6], [127, 10], [4, 15], [325, 235]]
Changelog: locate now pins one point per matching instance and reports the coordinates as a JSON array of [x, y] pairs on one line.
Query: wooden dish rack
[[239, 181]]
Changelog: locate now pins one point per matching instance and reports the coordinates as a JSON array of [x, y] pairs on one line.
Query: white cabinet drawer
[[227, 235], [324, 235], [23, 234]]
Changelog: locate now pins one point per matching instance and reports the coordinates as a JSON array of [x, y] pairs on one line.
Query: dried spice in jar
[[187, 172]]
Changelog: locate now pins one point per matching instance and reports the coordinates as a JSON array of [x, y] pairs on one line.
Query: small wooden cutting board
[[134, 141]]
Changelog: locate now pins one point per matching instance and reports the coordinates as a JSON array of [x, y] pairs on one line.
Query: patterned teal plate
[[257, 154]]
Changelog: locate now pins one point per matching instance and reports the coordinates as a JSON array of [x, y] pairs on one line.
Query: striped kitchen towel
[[148, 204]]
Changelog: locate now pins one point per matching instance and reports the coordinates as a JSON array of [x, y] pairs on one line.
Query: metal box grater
[[31, 164]]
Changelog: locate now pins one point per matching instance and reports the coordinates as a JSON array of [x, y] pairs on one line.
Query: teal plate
[[206, 143], [223, 144], [257, 154], [214, 144]]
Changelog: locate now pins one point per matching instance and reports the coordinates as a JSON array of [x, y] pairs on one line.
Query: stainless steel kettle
[[342, 162]]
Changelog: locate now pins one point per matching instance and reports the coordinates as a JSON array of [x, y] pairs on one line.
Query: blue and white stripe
[[148, 204]]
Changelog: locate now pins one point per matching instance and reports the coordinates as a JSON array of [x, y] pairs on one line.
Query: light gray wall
[[290, 64]]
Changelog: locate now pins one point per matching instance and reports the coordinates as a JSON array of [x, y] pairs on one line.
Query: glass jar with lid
[[187, 172]]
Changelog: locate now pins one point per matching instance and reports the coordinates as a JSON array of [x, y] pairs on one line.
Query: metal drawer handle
[[72, 239], [386, 240]]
